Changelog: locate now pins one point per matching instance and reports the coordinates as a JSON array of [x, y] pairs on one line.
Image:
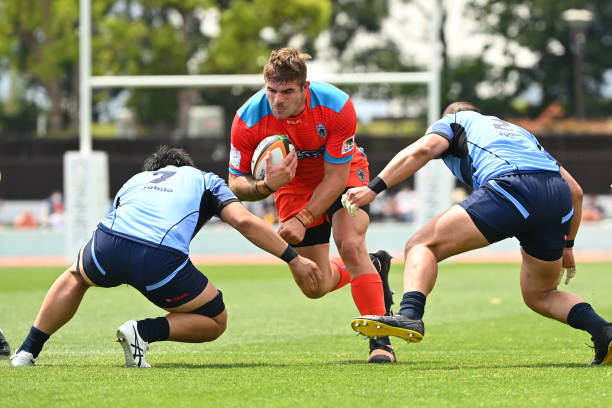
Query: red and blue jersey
[[323, 132]]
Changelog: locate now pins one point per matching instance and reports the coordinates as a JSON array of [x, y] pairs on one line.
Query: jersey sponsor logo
[[162, 189], [348, 145], [234, 156], [176, 299], [321, 130], [294, 122], [361, 175], [309, 154]]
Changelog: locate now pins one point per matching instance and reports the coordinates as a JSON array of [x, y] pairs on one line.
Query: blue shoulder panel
[[255, 109], [327, 95]]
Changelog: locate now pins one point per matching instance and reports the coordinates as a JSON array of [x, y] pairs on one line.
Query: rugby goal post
[[86, 172]]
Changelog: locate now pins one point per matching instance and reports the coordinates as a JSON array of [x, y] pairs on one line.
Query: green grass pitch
[[482, 347]]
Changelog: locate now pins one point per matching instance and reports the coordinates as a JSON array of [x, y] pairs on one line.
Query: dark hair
[[285, 65], [167, 156], [460, 106]]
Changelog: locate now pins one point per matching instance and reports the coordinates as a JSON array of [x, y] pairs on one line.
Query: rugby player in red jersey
[[319, 120]]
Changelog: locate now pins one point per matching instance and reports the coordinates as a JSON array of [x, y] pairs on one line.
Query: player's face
[[286, 99]]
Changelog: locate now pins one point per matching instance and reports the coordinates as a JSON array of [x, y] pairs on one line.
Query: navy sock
[[34, 342], [413, 305], [583, 317], [152, 330]]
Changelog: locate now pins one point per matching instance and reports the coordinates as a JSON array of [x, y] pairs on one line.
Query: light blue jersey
[[483, 147], [168, 207]]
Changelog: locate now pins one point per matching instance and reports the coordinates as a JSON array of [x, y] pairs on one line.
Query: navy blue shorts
[[536, 208], [165, 276]]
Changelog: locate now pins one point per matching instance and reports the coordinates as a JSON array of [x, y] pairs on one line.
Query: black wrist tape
[[569, 243], [289, 254], [377, 185]]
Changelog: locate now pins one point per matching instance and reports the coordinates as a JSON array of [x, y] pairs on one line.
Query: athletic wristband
[[377, 185], [569, 243], [289, 254], [305, 217]]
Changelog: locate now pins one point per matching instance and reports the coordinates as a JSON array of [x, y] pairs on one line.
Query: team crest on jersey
[[361, 175], [348, 145], [234, 156], [321, 130]]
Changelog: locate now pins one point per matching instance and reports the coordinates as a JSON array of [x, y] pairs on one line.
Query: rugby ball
[[278, 146]]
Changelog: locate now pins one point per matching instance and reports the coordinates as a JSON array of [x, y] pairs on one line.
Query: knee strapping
[[213, 308]]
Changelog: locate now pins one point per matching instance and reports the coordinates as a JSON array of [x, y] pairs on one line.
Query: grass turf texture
[[482, 347]]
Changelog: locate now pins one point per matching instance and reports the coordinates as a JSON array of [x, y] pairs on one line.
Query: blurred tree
[[359, 42], [38, 38], [249, 31], [537, 26], [18, 114], [156, 37], [173, 37]]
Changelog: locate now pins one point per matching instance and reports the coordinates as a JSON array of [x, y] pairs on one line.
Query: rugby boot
[[134, 347], [5, 349], [397, 325], [603, 346], [22, 358], [382, 263], [381, 351]]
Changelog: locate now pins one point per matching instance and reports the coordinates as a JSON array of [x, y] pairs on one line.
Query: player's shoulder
[[327, 95], [255, 108]]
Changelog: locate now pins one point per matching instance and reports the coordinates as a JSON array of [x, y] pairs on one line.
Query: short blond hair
[[286, 64]]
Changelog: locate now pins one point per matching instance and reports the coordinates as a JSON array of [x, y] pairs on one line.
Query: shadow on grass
[[420, 365], [436, 365]]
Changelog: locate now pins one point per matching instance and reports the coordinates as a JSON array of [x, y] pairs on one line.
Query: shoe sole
[[375, 330], [127, 350]]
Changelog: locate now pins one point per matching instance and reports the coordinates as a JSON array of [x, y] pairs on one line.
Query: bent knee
[[414, 245], [350, 250], [221, 326], [313, 293], [536, 300]]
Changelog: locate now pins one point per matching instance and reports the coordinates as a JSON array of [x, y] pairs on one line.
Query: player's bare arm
[[247, 188], [332, 185], [577, 196], [305, 272], [402, 166], [569, 263]]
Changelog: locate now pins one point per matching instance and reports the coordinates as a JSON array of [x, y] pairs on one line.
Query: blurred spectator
[[405, 204], [591, 210], [377, 207], [25, 220], [458, 195], [269, 212], [54, 213]]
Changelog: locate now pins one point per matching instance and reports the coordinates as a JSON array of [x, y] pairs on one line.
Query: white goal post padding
[[86, 196]]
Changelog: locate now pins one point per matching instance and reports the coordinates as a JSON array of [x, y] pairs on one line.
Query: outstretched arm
[[577, 196], [306, 273], [403, 165], [568, 262]]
